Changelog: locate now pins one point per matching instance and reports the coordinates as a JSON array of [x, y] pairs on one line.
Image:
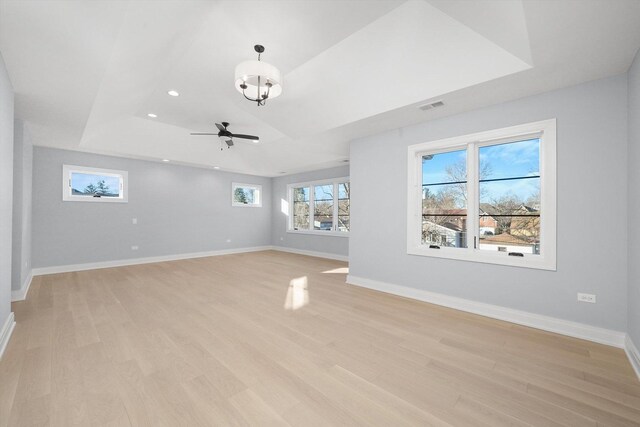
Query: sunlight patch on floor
[[341, 270], [297, 294]]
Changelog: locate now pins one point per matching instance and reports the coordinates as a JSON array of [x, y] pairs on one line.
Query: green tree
[[90, 189], [239, 196], [102, 188]]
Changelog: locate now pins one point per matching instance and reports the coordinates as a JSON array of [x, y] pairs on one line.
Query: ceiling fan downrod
[[250, 76]]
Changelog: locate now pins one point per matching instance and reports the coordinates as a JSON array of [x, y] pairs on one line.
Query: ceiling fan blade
[[238, 135], [219, 126], [205, 134]]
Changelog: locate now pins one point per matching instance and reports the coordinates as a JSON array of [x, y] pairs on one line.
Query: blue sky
[[510, 160], [249, 194], [323, 192], [80, 181]]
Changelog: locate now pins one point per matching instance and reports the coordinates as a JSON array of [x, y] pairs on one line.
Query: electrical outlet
[[281, 238], [134, 248], [586, 298], [228, 240], [134, 221]]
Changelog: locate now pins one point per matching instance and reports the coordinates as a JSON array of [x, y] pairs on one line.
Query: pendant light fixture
[[258, 80]]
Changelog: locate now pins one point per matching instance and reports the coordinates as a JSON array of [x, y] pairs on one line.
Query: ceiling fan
[[227, 136]]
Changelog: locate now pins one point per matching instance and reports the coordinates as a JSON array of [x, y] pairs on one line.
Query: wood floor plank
[[219, 341]]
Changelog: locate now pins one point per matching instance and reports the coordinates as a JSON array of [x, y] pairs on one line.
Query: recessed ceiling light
[[216, 167], [153, 116], [173, 93], [165, 160]]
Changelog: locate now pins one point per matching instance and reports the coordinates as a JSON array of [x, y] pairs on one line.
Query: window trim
[[67, 195], [546, 131], [258, 187], [311, 184]]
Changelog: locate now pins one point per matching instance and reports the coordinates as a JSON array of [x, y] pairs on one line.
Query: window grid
[[334, 229], [545, 131]]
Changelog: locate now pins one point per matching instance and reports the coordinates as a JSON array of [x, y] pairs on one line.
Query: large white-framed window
[[319, 207], [486, 197], [246, 195], [86, 184]]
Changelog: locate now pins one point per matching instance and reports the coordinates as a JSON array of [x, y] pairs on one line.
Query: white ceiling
[[87, 73]]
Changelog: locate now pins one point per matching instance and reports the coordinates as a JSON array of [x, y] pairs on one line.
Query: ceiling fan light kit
[[258, 81]]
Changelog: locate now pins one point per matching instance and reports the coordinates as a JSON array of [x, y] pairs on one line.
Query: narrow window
[[323, 207], [343, 206], [509, 192], [301, 208], [444, 199]]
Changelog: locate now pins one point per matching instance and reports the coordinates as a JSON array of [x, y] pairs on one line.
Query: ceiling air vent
[[431, 105]]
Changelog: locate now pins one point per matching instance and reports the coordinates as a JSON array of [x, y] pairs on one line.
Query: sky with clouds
[[512, 160]]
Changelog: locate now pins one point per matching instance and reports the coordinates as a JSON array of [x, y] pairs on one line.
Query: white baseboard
[[633, 354], [538, 321], [311, 253], [21, 294], [148, 260], [5, 332]]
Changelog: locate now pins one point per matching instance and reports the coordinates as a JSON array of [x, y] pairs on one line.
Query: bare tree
[[503, 208], [300, 209], [344, 205], [451, 197], [457, 173], [323, 206]]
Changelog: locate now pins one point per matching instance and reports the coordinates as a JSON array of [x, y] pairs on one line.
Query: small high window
[[85, 184], [246, 195]]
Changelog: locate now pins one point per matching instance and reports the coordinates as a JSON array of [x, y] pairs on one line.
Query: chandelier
[[257, 80]]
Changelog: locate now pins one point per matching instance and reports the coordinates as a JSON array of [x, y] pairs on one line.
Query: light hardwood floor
[[271, 338]]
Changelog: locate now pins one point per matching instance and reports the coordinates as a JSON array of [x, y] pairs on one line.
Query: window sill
[[537, 262], [246, 205], [87, 199], [321, 233]]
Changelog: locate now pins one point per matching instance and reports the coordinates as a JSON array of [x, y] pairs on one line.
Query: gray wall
[[634, 201], [336, 245], [22, 175], [6, 190], [592, 209], [179, 210]]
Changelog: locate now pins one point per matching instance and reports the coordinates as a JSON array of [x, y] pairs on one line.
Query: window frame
[[336, 194], [67, 195], [545, 130], [255, 187]]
